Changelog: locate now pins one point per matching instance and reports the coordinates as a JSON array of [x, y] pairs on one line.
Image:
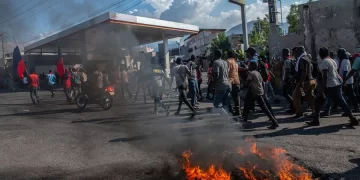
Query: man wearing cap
[[304, 82], [354, 69], [253, 58], [251, 55], [345, 68]]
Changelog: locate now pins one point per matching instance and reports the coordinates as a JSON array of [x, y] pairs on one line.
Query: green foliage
[[239, 54], [221, 42], [293, 19], [260, 34]]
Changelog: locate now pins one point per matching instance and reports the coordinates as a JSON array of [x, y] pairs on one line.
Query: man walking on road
[[332, 84], [180, 72], [287, 78], [34, 84], [221, 81], [255, 82], [51, 82], [193, 86], [235, 82], [355, 69], [304, 82], [67, 84], [157, 80]]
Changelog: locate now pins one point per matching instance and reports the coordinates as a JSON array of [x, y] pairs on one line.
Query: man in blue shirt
[[51, 82]]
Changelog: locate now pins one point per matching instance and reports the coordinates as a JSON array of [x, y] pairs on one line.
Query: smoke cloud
[[25, 20]]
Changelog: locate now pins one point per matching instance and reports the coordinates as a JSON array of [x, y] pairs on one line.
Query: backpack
[[263, 70], [77, 78]]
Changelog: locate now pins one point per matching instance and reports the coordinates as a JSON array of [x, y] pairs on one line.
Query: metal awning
[[109, 33]]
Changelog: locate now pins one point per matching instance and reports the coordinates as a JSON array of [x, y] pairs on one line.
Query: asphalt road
[[54, 140]]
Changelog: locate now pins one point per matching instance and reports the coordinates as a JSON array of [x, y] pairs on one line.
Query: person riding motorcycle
[[95, 83]]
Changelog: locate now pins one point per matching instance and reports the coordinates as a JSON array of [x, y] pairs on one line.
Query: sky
[[24, 21]]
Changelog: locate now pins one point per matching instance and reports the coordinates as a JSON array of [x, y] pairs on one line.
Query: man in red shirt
[[67, 84], [268, 85], [33, 79]]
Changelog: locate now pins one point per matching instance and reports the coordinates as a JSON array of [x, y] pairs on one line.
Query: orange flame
[[279, 166], [196, 173]]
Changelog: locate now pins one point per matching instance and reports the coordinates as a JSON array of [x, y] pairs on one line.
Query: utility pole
[[281, 12], [274, 38], [241, 3], [2, 45]]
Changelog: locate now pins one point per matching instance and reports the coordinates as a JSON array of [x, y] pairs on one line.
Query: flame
[[273, 163], [196, 173]]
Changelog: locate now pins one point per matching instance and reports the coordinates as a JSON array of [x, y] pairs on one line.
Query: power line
[[20, 6], [46, 8], [18, 3], [14, 5], [109, 7], [21, 13], [134, 6]]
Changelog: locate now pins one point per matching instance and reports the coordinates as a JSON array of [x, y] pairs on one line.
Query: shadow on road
[[304, 131], [58, 111], [350, 174]]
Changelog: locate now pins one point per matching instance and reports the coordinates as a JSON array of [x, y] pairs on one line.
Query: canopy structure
[[107, 34]]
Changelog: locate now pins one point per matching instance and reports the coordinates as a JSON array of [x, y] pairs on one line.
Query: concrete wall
[[291, 40], [332, 24]]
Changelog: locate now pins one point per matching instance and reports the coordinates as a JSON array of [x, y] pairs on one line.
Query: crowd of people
[[319, 82]]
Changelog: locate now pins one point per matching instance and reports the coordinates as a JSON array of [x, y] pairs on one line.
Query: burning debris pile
[[248, 162]]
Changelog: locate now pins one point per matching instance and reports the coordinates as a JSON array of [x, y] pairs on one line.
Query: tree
[[260, 33], [259, 36], [220, 42], [293, 19]]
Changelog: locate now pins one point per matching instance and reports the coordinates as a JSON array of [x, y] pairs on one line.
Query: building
[[198, 43], [236, 41], [327, 23], [102, 40]]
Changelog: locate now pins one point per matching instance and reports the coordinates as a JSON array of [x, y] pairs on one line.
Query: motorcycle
[[104, 98], [73, 95]]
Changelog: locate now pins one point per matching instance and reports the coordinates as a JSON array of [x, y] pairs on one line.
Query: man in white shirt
[[332, 85], [181, 72], [345, 68]]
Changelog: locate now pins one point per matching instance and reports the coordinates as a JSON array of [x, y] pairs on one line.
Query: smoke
[[29, 20], [73, 9]]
